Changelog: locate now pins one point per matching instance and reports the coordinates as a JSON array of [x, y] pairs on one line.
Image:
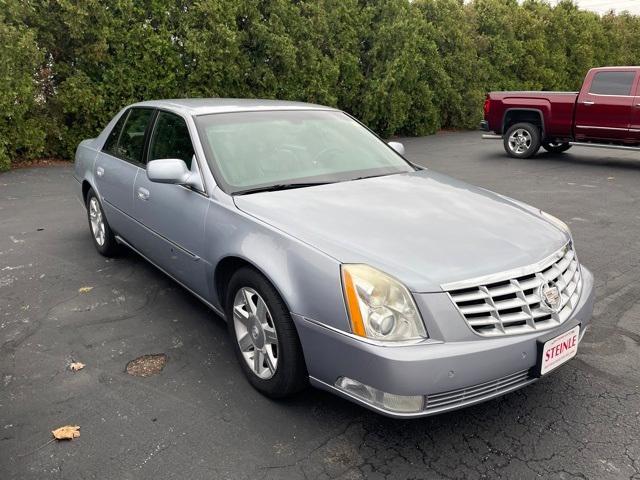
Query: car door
[[634, 126], [117, 165], [172, 216], [605, 106]]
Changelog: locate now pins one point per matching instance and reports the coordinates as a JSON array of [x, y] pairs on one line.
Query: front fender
[[307, 279]]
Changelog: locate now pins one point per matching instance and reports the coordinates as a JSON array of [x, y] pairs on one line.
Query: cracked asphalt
[[200, 419]]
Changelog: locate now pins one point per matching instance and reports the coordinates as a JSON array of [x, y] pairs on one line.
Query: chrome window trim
[[609, 95]]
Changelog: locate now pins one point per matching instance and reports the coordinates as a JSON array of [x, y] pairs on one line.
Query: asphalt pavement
[[199, 419]]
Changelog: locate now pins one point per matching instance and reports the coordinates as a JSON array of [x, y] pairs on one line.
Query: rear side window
[[112, 140], [170, 139], [128, 139], [131, 142], [612, 83]]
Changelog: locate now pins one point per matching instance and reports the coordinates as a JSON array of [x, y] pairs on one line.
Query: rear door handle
[[143, 193], [588, 102], [100, 171]]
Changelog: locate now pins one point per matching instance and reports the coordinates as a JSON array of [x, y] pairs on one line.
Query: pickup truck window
[[612, 83]]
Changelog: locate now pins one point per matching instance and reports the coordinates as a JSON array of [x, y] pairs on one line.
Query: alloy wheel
[[255, 332], [97, 221], [520, 141]]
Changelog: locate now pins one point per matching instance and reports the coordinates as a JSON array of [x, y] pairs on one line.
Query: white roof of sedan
[[203, 106]]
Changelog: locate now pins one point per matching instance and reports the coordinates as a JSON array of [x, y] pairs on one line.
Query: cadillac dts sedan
[[334, 260]]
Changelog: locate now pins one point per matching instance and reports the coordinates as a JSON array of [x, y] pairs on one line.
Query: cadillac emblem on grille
[[550, 297]]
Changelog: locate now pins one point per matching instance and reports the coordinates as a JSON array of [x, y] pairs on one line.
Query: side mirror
[[398, 147], [169, 170]]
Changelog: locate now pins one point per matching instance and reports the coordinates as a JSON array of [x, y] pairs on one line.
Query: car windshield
[[251, 151]]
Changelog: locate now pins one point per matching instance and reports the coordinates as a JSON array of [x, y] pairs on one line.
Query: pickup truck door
[[605, 105], [116, 168], [634, 127], [172, 217]]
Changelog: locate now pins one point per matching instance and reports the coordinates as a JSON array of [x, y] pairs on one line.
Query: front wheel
[[522, 140], [265, 338], [556, 147]]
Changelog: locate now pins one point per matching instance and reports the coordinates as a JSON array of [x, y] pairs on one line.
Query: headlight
[[380, 307], [557, 222]]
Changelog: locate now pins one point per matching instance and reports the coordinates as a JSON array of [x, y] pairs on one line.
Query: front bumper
[[449, 374]]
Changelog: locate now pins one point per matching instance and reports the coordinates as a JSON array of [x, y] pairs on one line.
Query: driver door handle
[[588, 102], [143, 193]]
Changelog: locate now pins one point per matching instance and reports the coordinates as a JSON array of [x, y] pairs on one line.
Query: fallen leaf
[[85, 289], [75, 366], [68, 432]]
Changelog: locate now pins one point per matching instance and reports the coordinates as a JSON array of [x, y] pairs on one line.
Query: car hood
[[424, 228]]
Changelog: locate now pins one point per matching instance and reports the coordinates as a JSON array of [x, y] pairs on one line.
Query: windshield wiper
[[373, 176], [279, 186]]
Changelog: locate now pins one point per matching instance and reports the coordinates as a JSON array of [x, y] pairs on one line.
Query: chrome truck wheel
[[522, 140]]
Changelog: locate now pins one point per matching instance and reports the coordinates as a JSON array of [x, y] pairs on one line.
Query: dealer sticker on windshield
[[558, 350]]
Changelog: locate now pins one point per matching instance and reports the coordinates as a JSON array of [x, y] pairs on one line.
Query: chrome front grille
[[510, 304], [477, 393]]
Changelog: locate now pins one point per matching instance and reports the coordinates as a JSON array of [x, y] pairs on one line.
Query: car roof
[[204, 106]]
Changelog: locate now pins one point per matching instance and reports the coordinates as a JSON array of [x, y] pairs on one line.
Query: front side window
[[251, 150], [131, 143], [170, 139], [612, 83]]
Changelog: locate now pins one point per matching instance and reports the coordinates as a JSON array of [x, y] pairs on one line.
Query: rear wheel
[[522, 140], [556, 147], [103, 237], [266, 341]]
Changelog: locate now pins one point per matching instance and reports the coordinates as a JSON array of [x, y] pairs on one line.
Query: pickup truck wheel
[[265, 339], [555, 147], [101, 233], [522, 140]]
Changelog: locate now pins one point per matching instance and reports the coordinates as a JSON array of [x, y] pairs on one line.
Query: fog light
[[380, 399]]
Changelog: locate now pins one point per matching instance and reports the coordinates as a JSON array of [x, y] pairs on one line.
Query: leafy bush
[[403, 67], [21, 127]]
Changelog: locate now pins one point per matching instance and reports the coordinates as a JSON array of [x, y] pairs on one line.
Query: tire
[[101, 233], [522, 140], [553, 147], [276, 374]]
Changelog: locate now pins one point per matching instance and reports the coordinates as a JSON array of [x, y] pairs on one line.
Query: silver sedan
[[336, 261]]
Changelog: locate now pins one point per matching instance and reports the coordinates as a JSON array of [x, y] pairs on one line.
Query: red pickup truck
[[604, 113]]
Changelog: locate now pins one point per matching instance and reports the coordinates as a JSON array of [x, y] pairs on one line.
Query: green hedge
[[402, 67]]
